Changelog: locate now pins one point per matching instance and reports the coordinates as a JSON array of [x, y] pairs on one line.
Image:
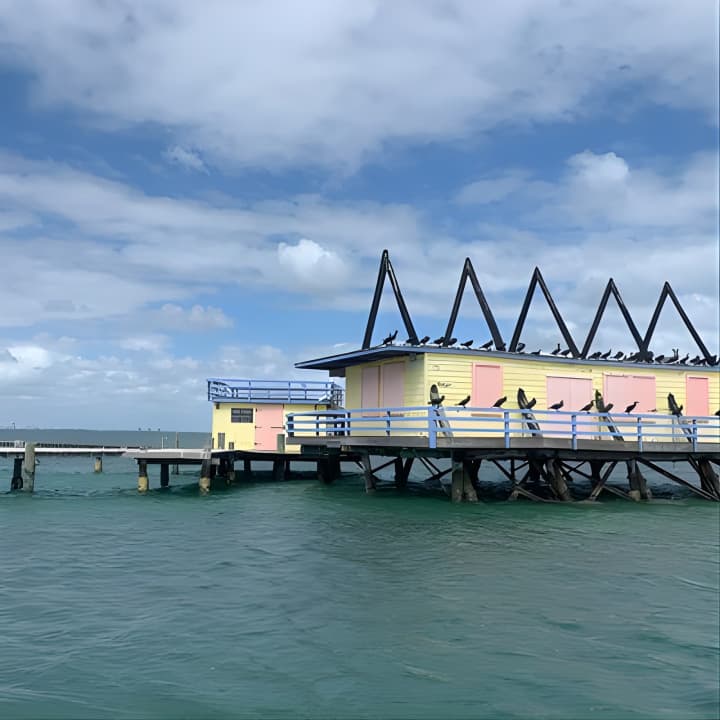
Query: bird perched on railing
[[499, 402], [631, 407], [531, 404], [389, 339], [588, 407], [557, 405], [464, 401]]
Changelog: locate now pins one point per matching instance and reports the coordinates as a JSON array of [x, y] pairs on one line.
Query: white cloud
[[189, 159], [198, 317], [311, 264], [332, 81], [492, 189]]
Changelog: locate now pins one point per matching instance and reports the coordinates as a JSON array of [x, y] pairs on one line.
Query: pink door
[[393, 385], [487, 385], [697, 396], [624, 390], [268, 425], [574, 394], [370, 388]]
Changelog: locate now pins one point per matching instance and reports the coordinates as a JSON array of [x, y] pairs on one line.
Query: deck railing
[[454, 421], [294, 391]]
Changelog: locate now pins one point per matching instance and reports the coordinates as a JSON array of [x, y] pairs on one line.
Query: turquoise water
[[300, 600]]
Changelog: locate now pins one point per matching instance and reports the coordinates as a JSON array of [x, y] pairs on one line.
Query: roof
[[384, 352]]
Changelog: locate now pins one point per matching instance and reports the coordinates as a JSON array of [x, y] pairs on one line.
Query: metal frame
[[667, 291], [386, 269], [468, 271], [537, 279], [611, 289]]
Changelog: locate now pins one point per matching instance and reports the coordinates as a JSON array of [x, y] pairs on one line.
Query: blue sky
[[204, 189]]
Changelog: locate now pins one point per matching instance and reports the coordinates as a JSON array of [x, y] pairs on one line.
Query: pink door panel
[[487, 385], [268, 425], [393, 385], [624, 390], [697, 393], [574, 394], [370, 390]]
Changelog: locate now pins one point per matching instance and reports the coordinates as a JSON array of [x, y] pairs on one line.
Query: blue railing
[[263, 391], [455, 421]]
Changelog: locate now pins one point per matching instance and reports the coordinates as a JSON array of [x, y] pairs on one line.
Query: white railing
[[455, 421]]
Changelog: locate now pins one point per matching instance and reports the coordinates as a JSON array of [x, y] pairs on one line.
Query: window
[[231, 445], [241, 415], [221, 441]]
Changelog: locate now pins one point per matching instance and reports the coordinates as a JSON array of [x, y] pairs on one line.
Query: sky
[[193, 190]]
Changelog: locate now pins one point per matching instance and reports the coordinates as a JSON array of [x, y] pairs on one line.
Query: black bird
[[557, 405], [531, 404], [595, 356], [487, 345], [467, 344], [388, 340], [683, 361], [631, 407], [556, 350], [717, 412], [695, 360], [500, 347], [618, 355], [588, 407], [439, 340], [606, 355], [632, 358], [659, 358], [713, 360], [536, 352], [520, 347], [435, 397], [609, 407], [499, 402], [565, 352], [464, 401], [451, 341], [423, 340]]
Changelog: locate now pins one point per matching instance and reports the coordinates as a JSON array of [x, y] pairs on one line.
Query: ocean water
[[294, 599]]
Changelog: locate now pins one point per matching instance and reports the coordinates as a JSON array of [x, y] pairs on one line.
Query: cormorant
[[606, 355], [588, 407], [500, 347], [467, 344], [531, 404], [565, 352], [717, 412], [520, 347], [451, 341], [557, 405], [487, 345], [618, 355], [423, 339], [631, 407], [659, 358], [499, 402], [609, 407], [556, 350], [439, 340], [536, 352], [388, 340], [464, 401], [683, 361], [595, 356]]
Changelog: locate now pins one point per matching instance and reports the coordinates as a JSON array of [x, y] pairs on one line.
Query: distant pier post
[[176, 467], [143, 482], [28, 468], [98, 464], [164, 475], [205, 474], [16, 482]]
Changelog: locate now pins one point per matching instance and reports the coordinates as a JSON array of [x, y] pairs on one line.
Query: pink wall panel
[[393, 385], [624, 390], [370, 390], [574, 393], [487, 385], [697, 393]]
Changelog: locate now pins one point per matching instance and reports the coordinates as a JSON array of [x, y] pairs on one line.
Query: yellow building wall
[[414, 391], [243, 434]]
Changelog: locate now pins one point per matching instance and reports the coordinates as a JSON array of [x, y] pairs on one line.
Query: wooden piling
[[205, 474], [709, 481], [143, 482], [370, 479], [98, 468], [462, 488], [247, 469], [556, 480], [638, 485], [28, 468], [278, 470], [164, 475], [16, 482]]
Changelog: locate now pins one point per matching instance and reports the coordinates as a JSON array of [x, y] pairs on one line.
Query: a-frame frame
[[386, 269], [666, 292], [537, 279], [611, 289], [468, 271]]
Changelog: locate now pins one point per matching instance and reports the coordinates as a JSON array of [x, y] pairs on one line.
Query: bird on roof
[[659, 358], [683, 361], [556, 350], [499, 402], [500, 347], [606, 355], [451, 341], [557, 405], [531, 404], [618, 355], [423, 339], [439, 341], [631, 407], [713, 360], [588, 407], [536, 352], [467, 344], [565, 352], [595, 356], [520, 347], [487, 345], [632, 358], [464, 401], [388, 340]]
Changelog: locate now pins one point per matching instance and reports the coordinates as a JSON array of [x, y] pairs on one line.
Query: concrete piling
[[98, 468], [143, 481], [28, 468], [206, 475], [164, 475]]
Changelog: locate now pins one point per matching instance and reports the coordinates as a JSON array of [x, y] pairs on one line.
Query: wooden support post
[[143, 482], [370, 479], [462, 488], [709, 481], [556, 479], [638, 484], [16, 482], [278, 470], [206, 473], [164, 475], [28, 468], [400, 478], [230, 474], [98, 464], [286, 470], [247, 469]]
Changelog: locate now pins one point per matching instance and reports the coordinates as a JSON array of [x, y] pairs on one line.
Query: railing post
[[387, 423], [640, 434], [694, 434], [432, 430], [573, 426], [506, 427]]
